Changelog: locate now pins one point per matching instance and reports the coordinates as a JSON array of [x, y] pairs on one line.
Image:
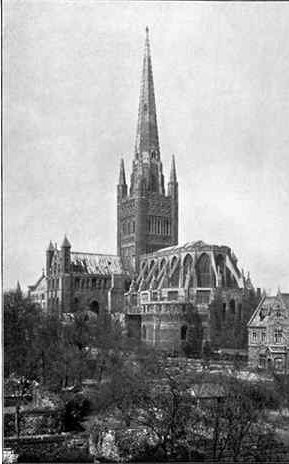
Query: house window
[[254, 336], [203, 297], [279, 364], [263, 335], [262, 361], [278, 335], [173, 295]]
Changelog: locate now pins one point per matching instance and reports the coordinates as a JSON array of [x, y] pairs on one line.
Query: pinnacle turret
[[65, 243], [173, 174], [50, 246], [122, 180]]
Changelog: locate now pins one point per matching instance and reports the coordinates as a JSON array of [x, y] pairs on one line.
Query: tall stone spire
[[147, 140]]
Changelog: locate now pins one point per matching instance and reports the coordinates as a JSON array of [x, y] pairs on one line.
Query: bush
[[75, 410]]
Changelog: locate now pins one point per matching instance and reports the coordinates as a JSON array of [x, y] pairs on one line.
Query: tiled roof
[[90, 263]]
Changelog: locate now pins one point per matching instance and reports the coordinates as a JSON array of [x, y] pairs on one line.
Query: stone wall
[[55, 448], [38, 421]]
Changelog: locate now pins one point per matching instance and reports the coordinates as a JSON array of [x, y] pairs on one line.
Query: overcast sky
[[71, 82]]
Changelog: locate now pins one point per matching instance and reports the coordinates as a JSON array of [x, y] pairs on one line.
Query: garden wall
[[53, 448]]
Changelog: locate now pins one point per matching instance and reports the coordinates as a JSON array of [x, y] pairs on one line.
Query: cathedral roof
[[90, 263], [189, 246]]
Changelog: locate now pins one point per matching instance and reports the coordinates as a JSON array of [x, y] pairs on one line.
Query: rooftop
[[94, 263]]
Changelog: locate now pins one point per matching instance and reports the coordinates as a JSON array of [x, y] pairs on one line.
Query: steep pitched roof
[[90, 263], [38, 282], [264, 309]]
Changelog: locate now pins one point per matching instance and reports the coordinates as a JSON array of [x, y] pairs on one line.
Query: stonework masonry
[[151, 280]]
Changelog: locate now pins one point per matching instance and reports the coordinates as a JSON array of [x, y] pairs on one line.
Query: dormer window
[[262, 313]]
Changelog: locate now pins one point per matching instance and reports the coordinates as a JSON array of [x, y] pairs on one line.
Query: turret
[[65, 255], [122, 186], [49, 256]]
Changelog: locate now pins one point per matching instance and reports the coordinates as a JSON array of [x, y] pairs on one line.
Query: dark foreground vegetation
[[128, 400]]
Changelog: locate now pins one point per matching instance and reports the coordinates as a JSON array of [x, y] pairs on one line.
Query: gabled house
[[268, 331]]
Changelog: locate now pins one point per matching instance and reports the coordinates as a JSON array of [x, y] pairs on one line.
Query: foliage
[[21, 322], [75, 409]]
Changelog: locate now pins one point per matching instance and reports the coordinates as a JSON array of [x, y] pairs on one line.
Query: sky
[[71, 82]]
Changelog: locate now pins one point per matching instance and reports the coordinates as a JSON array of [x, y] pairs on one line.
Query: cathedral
[[152, 282]]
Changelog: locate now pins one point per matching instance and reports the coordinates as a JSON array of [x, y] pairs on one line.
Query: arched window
[[184, 330], [175, 275], [144, 332], [94, 307], [204, 274], [75, 305], [232, 306]]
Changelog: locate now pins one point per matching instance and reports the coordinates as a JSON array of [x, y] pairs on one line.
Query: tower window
[[184, 332], [278, 335]]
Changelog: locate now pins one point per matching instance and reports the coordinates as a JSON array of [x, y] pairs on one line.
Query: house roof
[[266, 301], [207, 390], [90, 263], [285, 299]]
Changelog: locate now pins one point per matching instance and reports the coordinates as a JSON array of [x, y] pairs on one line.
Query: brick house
[[269, 333]]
